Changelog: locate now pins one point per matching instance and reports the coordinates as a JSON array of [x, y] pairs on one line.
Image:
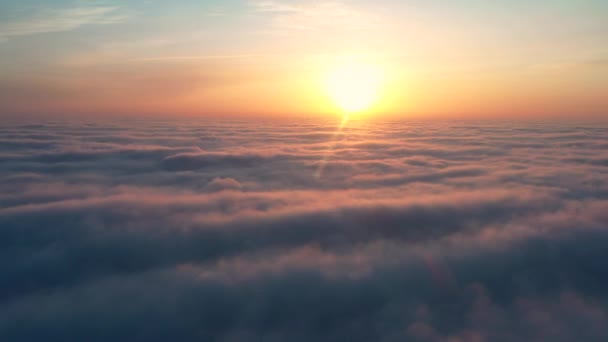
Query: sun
[[354, 87]]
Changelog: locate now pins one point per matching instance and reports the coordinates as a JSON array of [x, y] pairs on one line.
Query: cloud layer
[[274, 231]]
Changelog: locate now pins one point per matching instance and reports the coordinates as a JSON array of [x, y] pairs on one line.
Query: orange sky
[[235, 58]]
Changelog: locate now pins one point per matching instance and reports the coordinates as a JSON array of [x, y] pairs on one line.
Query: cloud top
[[220, 231]]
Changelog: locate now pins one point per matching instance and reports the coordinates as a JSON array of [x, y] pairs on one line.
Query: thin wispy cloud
[[61, 20], [318, 15], [598, 62], [199, 57], [275, 7]]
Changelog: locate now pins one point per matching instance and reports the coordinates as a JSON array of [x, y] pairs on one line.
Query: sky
[[546, 58]]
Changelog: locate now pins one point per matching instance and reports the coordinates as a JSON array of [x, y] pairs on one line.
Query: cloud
[[196, 229], [195, 161], [60, 20], [219, 184], [275, 7], [314, 16], [201, 57], [598, 62]]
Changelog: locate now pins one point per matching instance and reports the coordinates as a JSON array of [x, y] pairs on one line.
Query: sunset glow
[[293, 58], [354, 87], [304, 170]]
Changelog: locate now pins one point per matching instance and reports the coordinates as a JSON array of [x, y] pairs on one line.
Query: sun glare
[[354, 87]]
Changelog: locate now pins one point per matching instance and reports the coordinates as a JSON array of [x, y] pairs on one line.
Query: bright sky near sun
[[229, 57]]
